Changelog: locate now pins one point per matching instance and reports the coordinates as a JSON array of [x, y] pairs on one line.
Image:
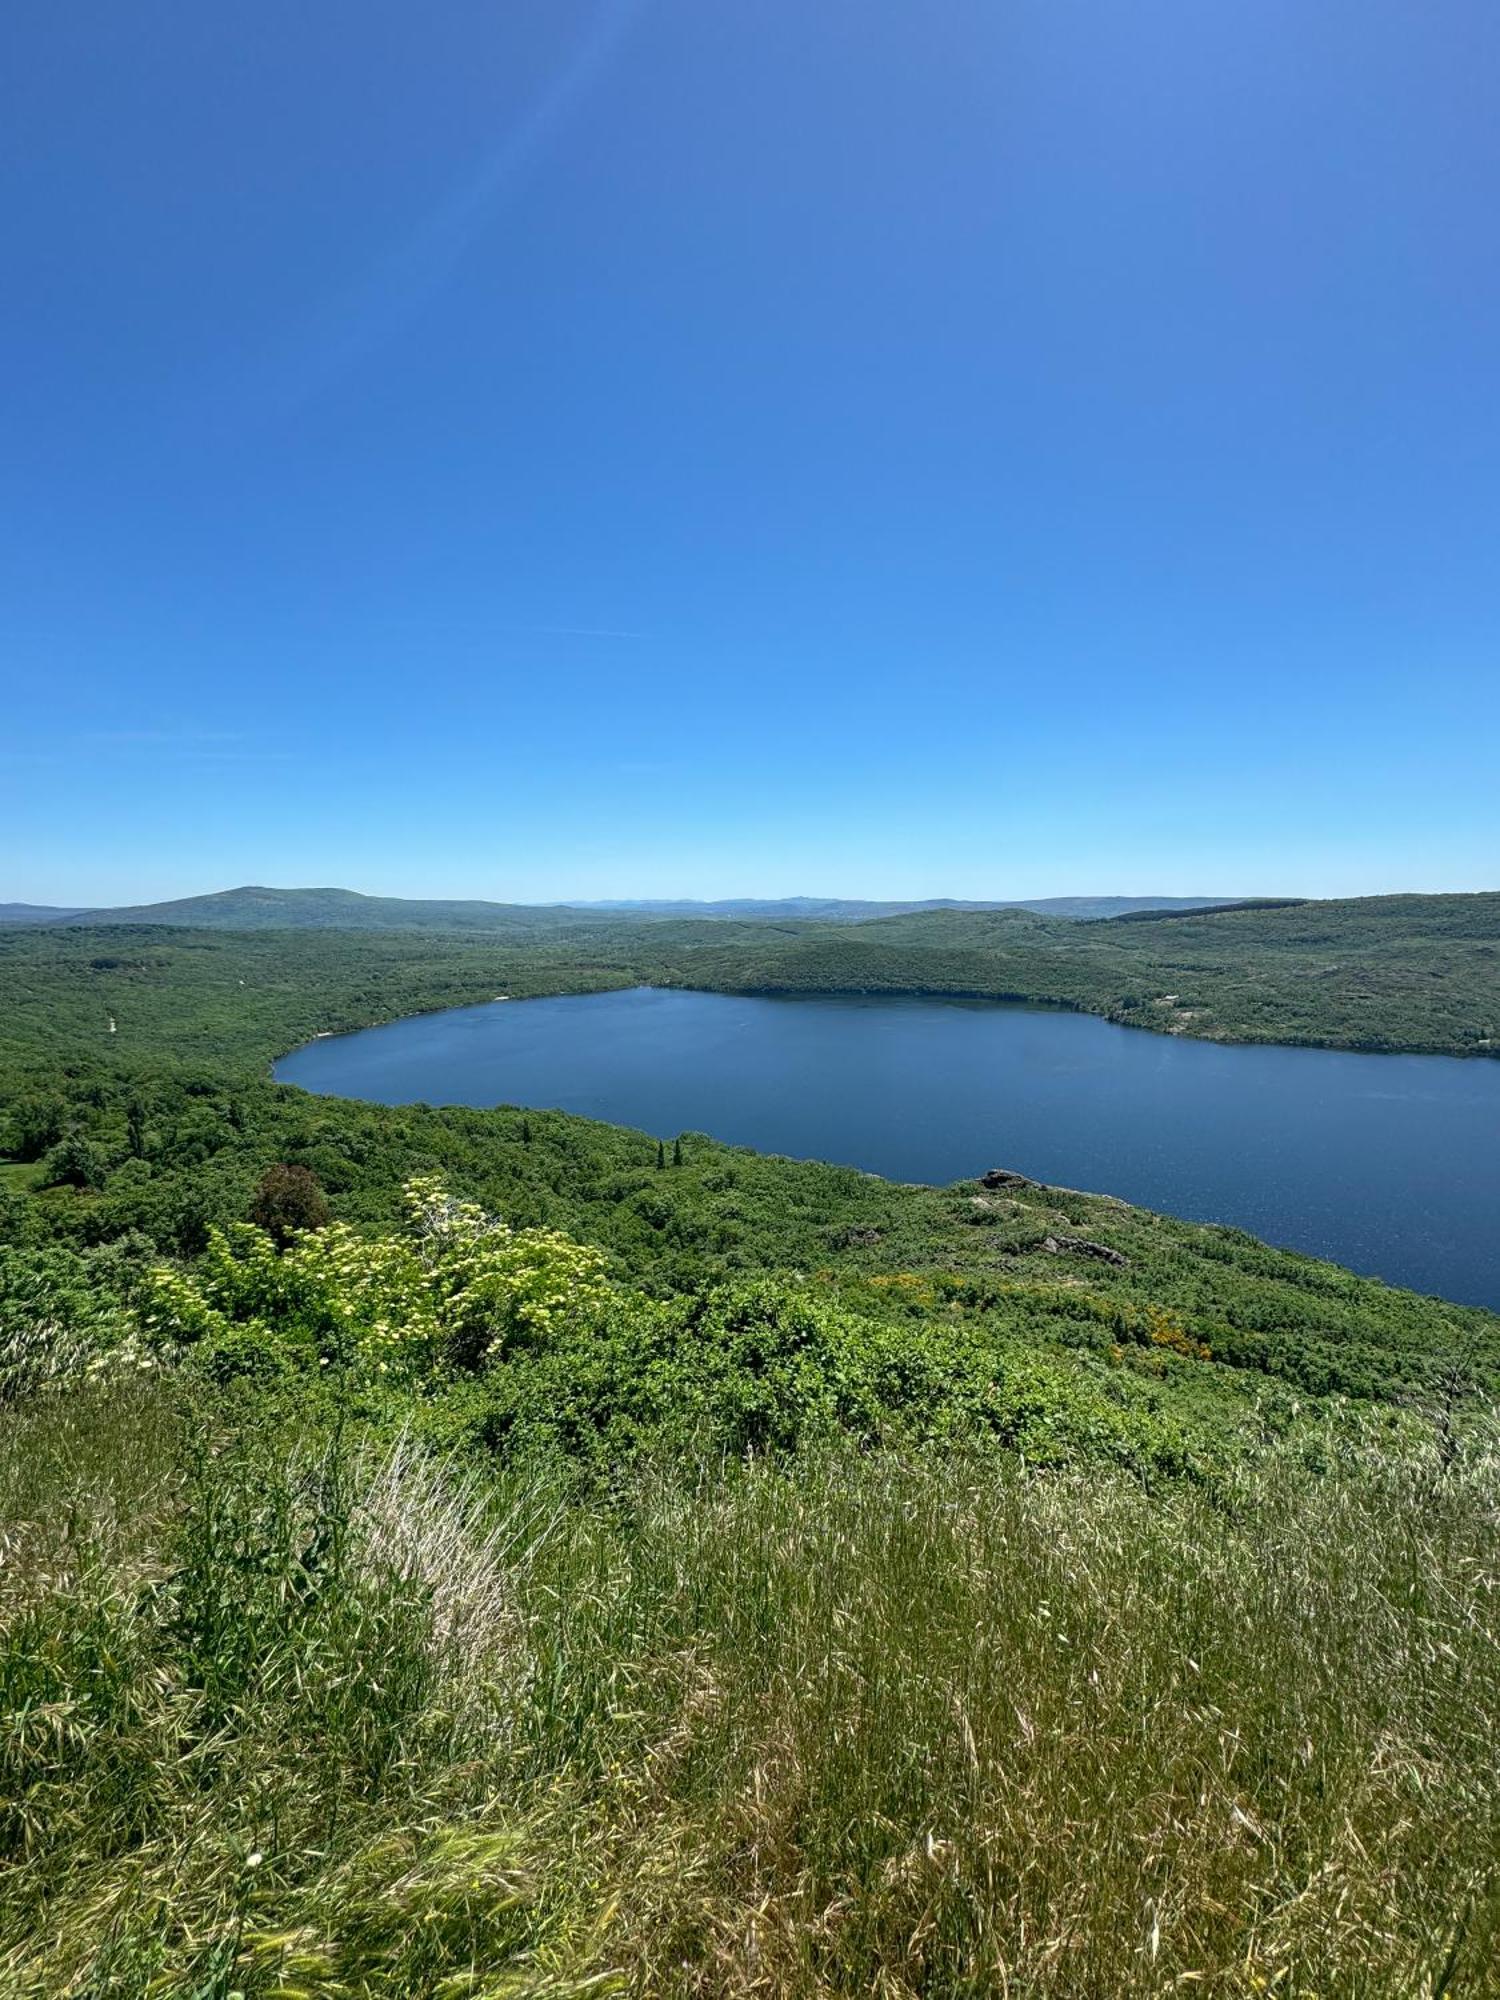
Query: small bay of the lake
[[1387, 1164]]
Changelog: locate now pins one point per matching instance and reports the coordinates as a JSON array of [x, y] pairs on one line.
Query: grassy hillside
[[540, 1563], [297, 1713]]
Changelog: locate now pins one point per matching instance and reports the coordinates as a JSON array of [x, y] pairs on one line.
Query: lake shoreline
[[1041, 1003], [1382, 1167]]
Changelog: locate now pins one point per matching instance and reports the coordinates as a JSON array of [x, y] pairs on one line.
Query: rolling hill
[[259, 908], [34, 913], [1416, 973], [1413, 973]]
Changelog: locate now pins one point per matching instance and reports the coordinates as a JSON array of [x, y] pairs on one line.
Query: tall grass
[[287, 1716]]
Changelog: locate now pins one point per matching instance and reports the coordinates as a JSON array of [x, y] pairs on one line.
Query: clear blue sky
[[554, 448]]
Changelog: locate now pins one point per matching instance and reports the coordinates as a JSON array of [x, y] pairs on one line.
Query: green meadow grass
[[290, 1712]]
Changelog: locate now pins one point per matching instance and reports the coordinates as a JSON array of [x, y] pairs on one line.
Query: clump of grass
[[285, 1716], [947, 1731], [251, 1674]]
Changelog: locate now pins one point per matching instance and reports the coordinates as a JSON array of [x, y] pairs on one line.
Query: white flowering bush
[[456, 1293]]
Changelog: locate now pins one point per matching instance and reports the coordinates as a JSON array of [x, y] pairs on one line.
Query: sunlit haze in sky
[[645, 447]]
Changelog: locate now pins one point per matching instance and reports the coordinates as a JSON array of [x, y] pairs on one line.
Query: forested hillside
[[1418, 973], [1397, 972]]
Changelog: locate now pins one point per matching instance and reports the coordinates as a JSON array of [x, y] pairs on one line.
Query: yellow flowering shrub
[[1165, 1329]]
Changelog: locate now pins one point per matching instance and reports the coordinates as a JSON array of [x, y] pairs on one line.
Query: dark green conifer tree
[[135, 1127]]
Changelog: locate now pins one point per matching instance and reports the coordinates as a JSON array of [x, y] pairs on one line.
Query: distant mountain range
[[848, 910], [34, 913], [255, 908]]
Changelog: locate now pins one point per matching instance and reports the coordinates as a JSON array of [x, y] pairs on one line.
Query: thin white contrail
[[420, 265], [385, 299]]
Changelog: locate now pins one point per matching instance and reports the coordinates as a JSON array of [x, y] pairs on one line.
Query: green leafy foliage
[[287, 1201], [515, 1342], [456, 1295]]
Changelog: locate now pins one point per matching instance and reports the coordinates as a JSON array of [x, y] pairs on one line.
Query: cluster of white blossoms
[[454, 1291]]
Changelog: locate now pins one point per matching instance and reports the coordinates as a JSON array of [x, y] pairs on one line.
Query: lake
[[1388, 1164]]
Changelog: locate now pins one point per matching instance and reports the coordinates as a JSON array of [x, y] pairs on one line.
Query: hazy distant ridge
[[843, 909], [259, 908], [34, 913]]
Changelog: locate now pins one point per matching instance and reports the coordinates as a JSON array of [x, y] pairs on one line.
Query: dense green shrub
[[516, 1341], [288, 1200], [76, 1162]]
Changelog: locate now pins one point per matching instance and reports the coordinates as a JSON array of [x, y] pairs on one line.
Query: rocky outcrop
[[1085, 1246], [1001, 1177]]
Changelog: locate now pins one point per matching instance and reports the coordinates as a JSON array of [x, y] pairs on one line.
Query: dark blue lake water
[[1389, 1164]]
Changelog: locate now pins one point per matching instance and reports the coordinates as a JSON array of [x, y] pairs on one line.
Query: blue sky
[[555, 448]]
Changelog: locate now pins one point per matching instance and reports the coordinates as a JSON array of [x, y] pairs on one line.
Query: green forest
[[1418, 973], [478, 1553]]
